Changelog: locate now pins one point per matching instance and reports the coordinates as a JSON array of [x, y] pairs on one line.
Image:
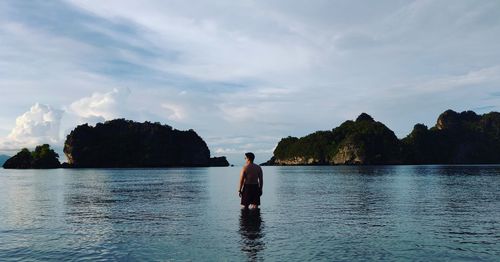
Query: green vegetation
[[42, 157], [457, 138], [124, 143], [316, 146], [365, 138]]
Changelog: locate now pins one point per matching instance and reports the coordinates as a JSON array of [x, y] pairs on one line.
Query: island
[[43, 157], [124, 143], [457, 138]]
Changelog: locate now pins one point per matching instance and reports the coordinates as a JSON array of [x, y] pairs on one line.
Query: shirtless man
[[251, 183]]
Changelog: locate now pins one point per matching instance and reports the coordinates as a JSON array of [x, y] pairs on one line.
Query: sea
[[308, 213]]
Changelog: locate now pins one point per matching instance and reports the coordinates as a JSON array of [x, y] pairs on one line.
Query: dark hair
[[250, 156]]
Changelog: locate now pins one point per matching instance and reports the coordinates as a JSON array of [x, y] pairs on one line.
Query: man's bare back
[[251, 183], [252, 173]]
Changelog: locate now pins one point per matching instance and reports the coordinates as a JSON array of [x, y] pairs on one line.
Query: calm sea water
[[307, 213]]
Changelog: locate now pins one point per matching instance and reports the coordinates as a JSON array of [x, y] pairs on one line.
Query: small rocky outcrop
[[123, 143], [42, 158], [219, 161]]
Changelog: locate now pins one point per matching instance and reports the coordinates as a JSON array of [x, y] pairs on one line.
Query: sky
[[242, 74]]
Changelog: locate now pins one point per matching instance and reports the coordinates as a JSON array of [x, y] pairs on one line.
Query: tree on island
[[364, 141], [122, 143], [457, 138], [41, 158]]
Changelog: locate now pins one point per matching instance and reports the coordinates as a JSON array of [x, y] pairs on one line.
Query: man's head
[[250, 156]]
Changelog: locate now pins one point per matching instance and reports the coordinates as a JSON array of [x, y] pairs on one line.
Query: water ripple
[[388, 213]]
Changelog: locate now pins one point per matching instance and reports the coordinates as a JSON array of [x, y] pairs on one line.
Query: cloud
[[235, 146], [174, 111], [249, 68], [37, 126], [482, 109], [101, 106], [207, 47]]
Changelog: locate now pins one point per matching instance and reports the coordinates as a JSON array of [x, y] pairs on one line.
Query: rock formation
[[42, 158], [457, 138], [363, 141], [219, 161], [123, 143]]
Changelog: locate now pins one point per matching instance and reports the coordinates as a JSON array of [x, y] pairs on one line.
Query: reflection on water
[[311, 213], [251, 225]]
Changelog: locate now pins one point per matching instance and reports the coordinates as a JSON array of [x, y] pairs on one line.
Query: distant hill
[[3, 158], [124, 143], [457, 138]]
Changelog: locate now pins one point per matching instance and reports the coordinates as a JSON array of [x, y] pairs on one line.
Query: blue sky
[[243, 74]]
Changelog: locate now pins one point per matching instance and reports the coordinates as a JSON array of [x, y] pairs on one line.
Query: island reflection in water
[[192, 214], [251, 226]]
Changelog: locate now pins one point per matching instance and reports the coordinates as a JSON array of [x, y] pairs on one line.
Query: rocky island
[[42, 158], [123, 143], [457, 138]]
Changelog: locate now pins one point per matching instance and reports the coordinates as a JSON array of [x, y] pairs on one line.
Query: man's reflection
[[251, 225]]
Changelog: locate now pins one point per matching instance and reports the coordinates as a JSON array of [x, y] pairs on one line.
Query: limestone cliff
[[457, 138], [364, 141], [124, 143], [348, 154]]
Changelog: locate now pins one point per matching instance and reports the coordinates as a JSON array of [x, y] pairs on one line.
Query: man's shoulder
[[258, 167]]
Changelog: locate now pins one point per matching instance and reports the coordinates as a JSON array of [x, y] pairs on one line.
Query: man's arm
[[261, 180], [242, 179]]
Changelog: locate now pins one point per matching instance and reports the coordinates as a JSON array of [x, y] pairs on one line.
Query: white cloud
[[174, 111], [37, 126], [101, 106], [249, 68], [209, 47]]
